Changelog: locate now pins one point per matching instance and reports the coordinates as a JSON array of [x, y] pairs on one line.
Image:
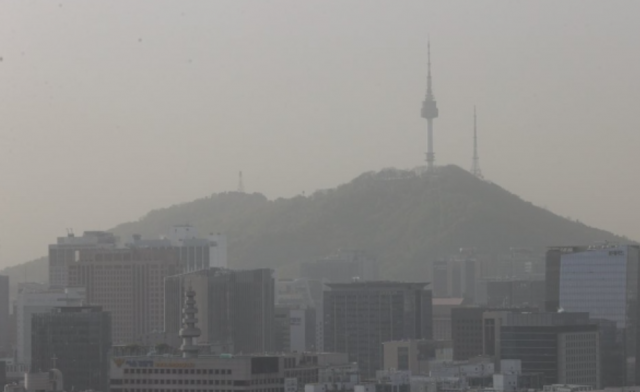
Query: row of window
[[190, 390], [177, 371], [179, 382]]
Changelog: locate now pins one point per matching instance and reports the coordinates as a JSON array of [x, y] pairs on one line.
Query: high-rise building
[[563, 351], [514, 263], [360, 316], [602, 280], [299, 314], [3, 373], [4, 316], [341, 267], [75, 340], [466, 332], [128, 283], [454, 277], [67, 251], [511, 293], [35, 299], [194, 252], [442, 316], [236, 308], [295, 329]]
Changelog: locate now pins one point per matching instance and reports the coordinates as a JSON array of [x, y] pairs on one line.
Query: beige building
[[128, 283]]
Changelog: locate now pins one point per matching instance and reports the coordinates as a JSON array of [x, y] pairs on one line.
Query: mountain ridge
[[405, 218]]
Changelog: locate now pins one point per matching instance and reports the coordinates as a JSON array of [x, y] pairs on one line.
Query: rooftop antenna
[[475, 166], [240, 183]]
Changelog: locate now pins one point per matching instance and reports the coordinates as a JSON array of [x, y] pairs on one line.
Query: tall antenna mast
[[240, 183], [475, 165]]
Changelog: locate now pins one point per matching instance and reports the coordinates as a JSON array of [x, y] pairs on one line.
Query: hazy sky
[[111, 108]]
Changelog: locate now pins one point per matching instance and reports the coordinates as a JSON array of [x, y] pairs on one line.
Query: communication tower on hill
[[240, 183], [429, 112], [475, 166]]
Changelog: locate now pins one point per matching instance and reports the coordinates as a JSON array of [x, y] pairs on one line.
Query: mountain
[[404, 218]]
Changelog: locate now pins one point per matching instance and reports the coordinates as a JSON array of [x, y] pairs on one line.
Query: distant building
[[454, 277], [193, 371], [360, 316], [237, 312], [563, 347], [467, 335], [67, 251], [511, 293], [442, 316], [299, 314], [35, 299], [413, 355], [513, 264], [602, 280], [341, 267], [466, 332], [5, 347], [3, 374], [295, 329], [128, 283], [77, 341], [567, 388], [194, 253], [511, 378]]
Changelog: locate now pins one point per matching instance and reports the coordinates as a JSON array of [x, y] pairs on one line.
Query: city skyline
[[359, 91]]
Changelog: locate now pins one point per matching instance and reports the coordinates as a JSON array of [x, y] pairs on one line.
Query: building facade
[[563, 347], [454, 278], [128, 283], [602, 280], [237, 308], [466, 332], [5, 347], [35, 299], [67, 251], [341, 267], [360, 316], [194, 253], [75, 340]]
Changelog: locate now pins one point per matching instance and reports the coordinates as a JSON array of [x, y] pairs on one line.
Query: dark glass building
[[602, 280], [360, 316], [75, 340], [564, 354], [236, 308]]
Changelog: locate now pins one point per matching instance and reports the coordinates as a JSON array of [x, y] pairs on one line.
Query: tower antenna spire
[[429, 86], [240, 183], [475, 166], [429, 112]]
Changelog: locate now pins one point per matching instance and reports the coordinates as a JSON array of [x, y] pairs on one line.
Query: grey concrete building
[[5, 348], [128, 283], [68, 250], [360, 316]]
